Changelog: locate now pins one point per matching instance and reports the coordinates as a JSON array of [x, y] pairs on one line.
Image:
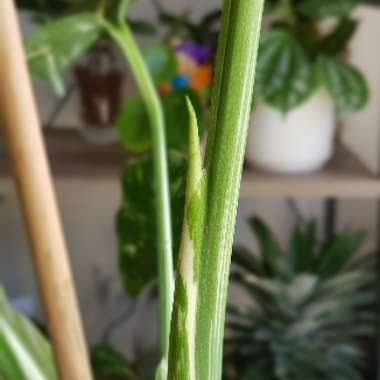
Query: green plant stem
[[232, 97], [196, 337], [124, 38]]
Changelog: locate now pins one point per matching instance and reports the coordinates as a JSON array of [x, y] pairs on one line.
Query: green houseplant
[[60, 43], [212, 187], [303, 76], [97, 74], [310, 308]]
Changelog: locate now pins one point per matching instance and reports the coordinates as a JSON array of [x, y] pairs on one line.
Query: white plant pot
[[299, 141]]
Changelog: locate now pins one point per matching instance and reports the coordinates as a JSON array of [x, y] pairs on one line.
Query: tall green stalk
[[124, 38], [197, 328]]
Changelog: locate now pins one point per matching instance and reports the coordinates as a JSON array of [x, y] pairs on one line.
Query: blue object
[[180, 81]]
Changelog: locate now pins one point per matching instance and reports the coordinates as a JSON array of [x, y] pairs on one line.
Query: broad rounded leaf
[[284, 78], [336, 41], [346, 84], [55, 46], [177, 117], [133, 123], [322, 9], [161, 62], [136, 220], [24, 352]]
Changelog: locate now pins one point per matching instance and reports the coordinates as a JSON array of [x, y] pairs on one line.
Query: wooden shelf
[[344, 177], [71, 156]]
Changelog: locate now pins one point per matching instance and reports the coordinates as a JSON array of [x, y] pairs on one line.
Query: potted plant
[[192, 306], [100, 77], [302, 78], [98, 70], [310, 308]]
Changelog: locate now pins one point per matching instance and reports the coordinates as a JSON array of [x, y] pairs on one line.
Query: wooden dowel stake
[[35, 188]]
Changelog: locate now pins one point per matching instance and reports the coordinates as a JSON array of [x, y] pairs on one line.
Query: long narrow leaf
[[197, 328], [270, 249], [24, 353], [182, 339]]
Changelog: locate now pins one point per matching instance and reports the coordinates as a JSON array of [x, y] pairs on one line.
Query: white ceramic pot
[[299, 141]]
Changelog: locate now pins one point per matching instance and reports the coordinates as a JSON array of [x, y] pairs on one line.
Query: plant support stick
[[196, 337], [32, 176]]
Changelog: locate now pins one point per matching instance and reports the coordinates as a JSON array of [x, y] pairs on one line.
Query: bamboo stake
[[35, 188]]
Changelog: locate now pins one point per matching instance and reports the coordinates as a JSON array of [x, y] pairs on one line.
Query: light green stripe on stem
[[232, 96], [124, 38], [196, 336]]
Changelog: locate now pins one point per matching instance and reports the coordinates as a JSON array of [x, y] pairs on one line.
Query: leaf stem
[[124, 38], [231, 105]]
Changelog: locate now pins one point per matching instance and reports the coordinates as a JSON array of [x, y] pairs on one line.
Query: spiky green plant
[[310, 308]]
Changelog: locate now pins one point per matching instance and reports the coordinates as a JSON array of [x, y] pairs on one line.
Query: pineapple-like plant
[[310, 310]]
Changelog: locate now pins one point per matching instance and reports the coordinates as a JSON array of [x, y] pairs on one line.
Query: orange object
[[201, 77], [164, 88], [186, 65]]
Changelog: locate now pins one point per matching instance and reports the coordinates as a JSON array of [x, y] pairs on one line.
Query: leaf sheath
[[197, 354]]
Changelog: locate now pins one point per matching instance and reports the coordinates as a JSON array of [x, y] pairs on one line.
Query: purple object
[[199, 52]]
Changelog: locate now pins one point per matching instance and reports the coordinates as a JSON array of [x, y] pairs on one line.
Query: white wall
[[360, 132], [88, 207]]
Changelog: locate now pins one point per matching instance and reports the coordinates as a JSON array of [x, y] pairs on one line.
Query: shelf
[[344, 177], [70, 156]]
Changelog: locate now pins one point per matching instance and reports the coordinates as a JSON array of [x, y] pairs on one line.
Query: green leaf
[[133, 125], [270, 249], [284, 78], [335, 42], [142, 27], [47, 7], [346, 84], [161, 62], [246, 261], [306, 326], [24, 352], [301, 248], [182, 337], [60, 43], [133, 122], [338, 252], [322, 9], [106, 361], [177, 117], [307, 36], [136, 222]]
